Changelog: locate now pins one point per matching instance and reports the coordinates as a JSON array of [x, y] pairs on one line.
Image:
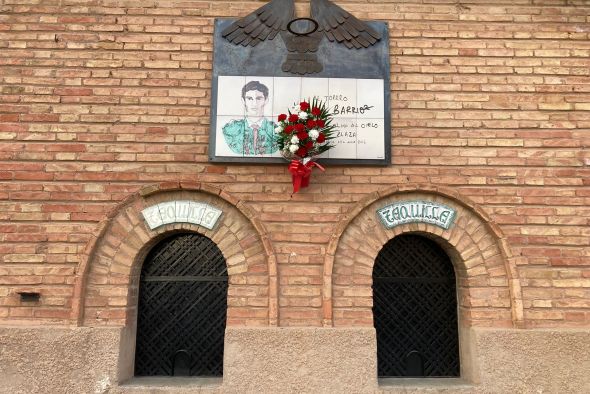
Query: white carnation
[[314, 134], [294, 140], [278, 130], [293, 148], [302, 115]]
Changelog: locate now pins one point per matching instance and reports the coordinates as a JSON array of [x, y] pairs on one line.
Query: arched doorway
[[182, 308], [415, 309]]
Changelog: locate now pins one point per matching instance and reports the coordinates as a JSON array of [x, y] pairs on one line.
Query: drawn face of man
[[254, 102]]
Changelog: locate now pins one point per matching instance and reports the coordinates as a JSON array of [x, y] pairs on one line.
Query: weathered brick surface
[[99, 98], [489, 292], [107, 284]]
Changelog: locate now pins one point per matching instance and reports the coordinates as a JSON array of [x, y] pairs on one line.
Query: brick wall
[[100, 98]]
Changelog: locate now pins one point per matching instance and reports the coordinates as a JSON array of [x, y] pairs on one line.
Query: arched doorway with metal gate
[[182, 308], [415, 309]]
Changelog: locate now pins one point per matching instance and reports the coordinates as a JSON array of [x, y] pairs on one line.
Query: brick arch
[[487, 280], [107, 280]]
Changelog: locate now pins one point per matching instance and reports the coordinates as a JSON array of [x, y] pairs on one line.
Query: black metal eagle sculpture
[[327, 19]]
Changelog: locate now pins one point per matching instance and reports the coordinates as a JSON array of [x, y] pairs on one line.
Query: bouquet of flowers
[[302, 135]]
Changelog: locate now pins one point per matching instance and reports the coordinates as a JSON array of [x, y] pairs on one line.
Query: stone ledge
[[405, 385], [176, 385]]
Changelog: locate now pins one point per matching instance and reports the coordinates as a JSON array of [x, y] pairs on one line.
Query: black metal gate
[[415, 309], [182, 309]]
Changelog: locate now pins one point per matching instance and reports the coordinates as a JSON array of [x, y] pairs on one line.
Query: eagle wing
[[264, 23], [340, 26]]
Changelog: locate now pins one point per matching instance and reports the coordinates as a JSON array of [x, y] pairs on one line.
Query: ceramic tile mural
[[247, 108]]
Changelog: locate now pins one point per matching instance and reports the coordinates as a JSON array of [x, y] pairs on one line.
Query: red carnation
[[299, 127], [309, 145], [321, 138], [315, 111], [282, 117], [321, 123], [293, 118], [304, 106], [311, 124], [289, 129], [302, 135], [301, 152]]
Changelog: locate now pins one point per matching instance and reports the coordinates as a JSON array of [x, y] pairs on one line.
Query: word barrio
[[417, 211], [302, 136]]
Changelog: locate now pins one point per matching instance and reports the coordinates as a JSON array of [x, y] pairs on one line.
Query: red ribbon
[[300, 173]]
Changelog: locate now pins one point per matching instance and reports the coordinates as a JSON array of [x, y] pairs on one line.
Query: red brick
[[73, 91], [497, 116]]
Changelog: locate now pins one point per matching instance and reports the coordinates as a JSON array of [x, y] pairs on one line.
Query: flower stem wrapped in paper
[[302, 135]]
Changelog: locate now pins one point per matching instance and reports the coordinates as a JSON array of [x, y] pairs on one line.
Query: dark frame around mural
[[265, 59]]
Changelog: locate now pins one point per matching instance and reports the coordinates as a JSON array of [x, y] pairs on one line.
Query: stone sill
[[172, 382], [424, 383]]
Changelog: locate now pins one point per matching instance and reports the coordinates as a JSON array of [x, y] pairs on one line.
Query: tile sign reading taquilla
[[417, 212], [181, 212]]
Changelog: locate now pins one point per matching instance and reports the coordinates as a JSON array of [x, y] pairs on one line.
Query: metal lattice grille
[[415, 309], [182, 309]]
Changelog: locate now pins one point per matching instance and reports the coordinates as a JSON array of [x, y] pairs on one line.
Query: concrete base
[[534, 361], [293, 360], [300, 360], [58, 360]]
